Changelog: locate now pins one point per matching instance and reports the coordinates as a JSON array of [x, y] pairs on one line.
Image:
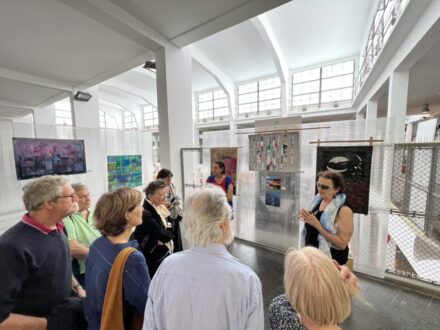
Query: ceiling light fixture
[[82, 96], [425, 110], [150, 65]]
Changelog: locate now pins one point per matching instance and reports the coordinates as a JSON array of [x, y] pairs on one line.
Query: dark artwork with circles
[[354, 164]]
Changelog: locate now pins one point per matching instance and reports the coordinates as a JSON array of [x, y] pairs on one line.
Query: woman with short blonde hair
[[318, 292]]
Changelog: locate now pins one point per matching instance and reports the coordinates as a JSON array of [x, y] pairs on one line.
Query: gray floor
[[381, 306]]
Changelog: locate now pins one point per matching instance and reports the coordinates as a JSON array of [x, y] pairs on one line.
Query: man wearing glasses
[[81, 231], [205, 287], [36, 278]]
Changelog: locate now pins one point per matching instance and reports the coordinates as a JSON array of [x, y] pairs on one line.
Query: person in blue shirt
[[205, 287], [116, 215]]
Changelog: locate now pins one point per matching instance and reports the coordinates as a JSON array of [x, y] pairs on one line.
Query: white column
[[174, 100], [371, 109], [397, 105], [371, 117]]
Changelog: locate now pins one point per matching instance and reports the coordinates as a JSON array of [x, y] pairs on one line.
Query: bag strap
[[112, 311]]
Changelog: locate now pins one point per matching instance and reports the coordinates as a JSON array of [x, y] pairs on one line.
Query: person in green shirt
[[80, 229]]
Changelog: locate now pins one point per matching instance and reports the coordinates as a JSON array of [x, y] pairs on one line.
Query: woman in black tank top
[[329, 185]]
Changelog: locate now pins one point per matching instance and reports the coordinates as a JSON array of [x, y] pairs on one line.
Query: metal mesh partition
[[192, 169], [413, 245]]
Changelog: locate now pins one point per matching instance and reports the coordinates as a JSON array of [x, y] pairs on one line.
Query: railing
[[387, 14]]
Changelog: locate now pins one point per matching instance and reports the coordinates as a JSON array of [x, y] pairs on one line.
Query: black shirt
[[36, 275]]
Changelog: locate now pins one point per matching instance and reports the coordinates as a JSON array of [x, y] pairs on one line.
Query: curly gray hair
[[45, 189]]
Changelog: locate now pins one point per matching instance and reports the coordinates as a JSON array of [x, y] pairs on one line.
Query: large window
[[259, 97], [129, 120], [63, 113], [212, 105], [107, 121], [323, 86], [151, 118]]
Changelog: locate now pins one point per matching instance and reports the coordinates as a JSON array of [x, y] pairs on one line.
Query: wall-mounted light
[[425, 109], [82, 96], [150, 65]]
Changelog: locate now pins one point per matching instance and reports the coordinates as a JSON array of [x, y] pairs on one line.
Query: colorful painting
[[124, 171], [38, 157], [277, 152], [229, 157], [354, 163], [273, 191]]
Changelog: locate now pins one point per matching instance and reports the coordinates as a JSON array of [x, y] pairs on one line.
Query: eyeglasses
[[72, 196], [322, 186]]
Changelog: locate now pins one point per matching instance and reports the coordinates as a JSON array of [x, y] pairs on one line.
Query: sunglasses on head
[[322, 186]]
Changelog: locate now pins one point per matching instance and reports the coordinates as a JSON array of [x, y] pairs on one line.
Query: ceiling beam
[[115, 18], [264, 28], [244, 11], [224, 80], [33, 80], [131, 90]]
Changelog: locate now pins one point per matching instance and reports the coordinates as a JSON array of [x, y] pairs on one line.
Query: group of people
[[126, 272]]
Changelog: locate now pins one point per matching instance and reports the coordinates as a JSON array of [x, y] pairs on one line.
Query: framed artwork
[[124, 171], [273, 191], [277, 152], [229, 157], [354, 164]]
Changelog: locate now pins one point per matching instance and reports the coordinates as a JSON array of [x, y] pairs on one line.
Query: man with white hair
[[205, 287], [36, 277]]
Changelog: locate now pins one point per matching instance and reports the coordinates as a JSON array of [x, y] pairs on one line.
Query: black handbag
[[155, 251]]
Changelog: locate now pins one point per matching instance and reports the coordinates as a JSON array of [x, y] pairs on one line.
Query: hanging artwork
[[274, 152], [124, 171], [273, 191], [229, 157], [354, 163]]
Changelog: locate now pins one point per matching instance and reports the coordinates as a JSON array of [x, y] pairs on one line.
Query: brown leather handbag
[[112, 312]]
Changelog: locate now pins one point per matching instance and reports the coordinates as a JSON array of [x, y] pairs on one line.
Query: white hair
[[204, 211]]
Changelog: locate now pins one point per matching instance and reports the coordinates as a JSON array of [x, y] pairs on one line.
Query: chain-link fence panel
[[413, 244], [191, 170], [410, 252]]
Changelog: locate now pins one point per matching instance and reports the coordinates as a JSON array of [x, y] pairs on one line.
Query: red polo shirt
[[27, 219]]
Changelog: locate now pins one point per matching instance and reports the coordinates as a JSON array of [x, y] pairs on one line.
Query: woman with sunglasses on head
[[328, 221]]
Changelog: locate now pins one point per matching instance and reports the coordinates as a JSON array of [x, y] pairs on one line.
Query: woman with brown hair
[[116, 216], [328, 221]]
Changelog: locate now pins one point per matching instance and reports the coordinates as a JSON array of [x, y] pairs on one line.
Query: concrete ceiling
[[49, 47], [424, 80], [240, 52], [423, 86], [311, 32], [201, 79]]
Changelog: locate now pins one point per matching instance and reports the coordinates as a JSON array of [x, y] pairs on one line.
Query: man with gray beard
[[205, 287]]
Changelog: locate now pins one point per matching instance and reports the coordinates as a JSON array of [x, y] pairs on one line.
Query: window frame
[[259, 101], [320, 91], [213, 110]]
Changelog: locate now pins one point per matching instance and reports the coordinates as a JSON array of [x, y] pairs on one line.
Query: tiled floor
[[380, 306]]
